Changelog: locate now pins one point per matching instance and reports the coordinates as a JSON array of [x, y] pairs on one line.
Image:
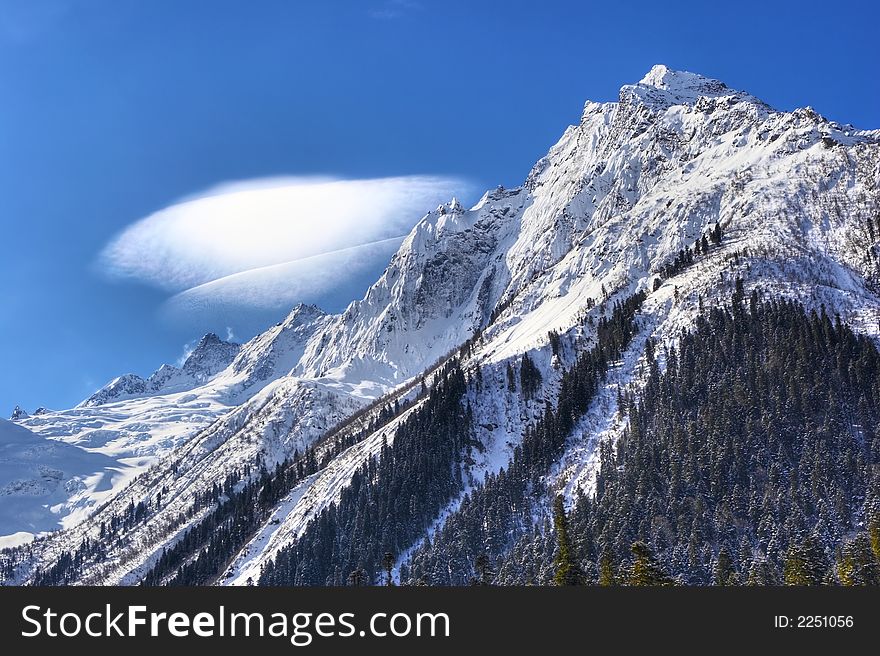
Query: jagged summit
[[209, 339], [454, 206], [276, 351], [18, 413], [304, 311], [121, 387], [210, 356], [663, 87], [682, 82]]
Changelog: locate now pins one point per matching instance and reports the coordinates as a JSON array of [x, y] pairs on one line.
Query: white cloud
[[249, 301], [392, 9], [188, 348], [237, 255], [283, 285], [242, 226]]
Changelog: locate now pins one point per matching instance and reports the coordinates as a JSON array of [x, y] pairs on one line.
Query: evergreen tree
[[496, 517], [358, 577], [805, 563], [762, 573], [392, 498], [388, 565], [606, 570], [530, 377], [567, 570], [724, 573], [857, 564], [645, 570], [511, 378], [483, 569], [872, 521], [554, 342]]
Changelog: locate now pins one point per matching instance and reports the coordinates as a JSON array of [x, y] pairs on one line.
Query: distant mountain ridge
[[210, 356]]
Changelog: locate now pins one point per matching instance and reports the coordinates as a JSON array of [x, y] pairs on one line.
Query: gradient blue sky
[[111, 110]]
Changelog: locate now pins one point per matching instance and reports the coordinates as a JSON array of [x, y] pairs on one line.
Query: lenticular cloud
[[329, 280], [244, 226]]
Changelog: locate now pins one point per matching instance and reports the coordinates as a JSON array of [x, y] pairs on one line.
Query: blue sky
[[112, 110]]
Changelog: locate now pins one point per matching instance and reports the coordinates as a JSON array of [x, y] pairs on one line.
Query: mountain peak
[[307, 309], [662, 77], [210, 356], [208, 340], [452, 207], [303, 313], [211, 342], [665, 87], [18, 413], [125, 386]]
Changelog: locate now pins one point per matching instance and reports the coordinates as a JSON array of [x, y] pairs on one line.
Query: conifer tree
[[645, 570], [511, 378], [724, 573], [857, 564], [554, 342], [606, 569], [483, 569], [805, 563], [530, 377], [358, 577], [872, 521], [388, 565], [567, 570], [762, 573]]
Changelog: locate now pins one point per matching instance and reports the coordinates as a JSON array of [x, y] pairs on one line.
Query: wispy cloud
[[391, 9], [246, 225], [188, 348], [281, 286], [247, 250]]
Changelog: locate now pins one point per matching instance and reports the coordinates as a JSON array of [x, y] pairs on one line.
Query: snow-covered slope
[[43, 481], [135, 421], [615, 201]]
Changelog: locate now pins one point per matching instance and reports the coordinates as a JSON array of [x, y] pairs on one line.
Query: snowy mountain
[[42, 482], [677, 189], [210, 356], [134, 421]]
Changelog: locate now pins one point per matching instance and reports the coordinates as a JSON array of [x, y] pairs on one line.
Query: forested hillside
[[751, 457]]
